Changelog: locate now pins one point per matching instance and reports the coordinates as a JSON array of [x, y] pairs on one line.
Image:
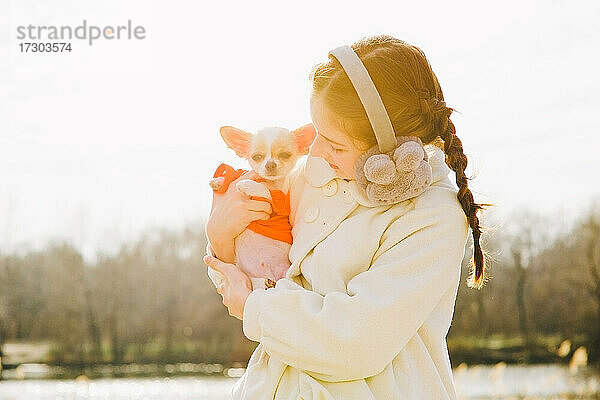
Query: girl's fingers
[[249, 175], [217, 264], [259, 205], [246, 175], [254, 215]]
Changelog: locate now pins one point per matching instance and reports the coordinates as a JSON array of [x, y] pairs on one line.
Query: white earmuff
[[395, 169]]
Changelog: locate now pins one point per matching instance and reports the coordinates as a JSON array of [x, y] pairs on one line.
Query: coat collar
[[318, 173]]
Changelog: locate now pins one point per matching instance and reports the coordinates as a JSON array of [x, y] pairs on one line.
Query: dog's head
[[272, 151]]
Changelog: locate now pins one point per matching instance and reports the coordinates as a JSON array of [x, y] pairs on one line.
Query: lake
[[473, 382]]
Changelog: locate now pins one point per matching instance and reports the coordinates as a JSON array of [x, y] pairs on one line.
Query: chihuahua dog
[[272, 153]]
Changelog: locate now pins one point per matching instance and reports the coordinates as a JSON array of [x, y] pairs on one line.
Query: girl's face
[[333, 145]]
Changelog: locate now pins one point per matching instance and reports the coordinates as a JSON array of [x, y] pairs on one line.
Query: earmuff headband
[[369, 97]]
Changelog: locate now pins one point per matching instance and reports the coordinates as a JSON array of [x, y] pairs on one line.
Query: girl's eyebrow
[[333, 141]]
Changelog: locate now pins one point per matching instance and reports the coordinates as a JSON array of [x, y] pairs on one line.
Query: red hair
[[415, 104]]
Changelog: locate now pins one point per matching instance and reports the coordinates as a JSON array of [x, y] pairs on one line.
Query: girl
[[366, 305]]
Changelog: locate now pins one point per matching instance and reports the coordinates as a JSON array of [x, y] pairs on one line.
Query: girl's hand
[[231, 213], [237, 286]]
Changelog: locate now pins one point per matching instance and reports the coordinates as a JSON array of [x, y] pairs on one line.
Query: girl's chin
[[338, 171], [342, 175]]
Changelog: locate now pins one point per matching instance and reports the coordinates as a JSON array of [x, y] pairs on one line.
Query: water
[[180, 388], [547, 381], [475, 382]]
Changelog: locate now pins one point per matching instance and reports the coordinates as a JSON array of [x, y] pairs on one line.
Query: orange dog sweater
[[278, 226]]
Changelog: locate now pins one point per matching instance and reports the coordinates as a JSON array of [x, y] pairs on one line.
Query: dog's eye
[[285, 155], [257, 157]]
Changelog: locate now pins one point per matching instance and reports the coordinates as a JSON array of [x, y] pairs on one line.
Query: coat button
[[331, 188], [328, 221], [348, 198], [311, 214]]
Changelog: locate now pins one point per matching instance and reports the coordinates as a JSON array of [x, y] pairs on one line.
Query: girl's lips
[[333, 166]]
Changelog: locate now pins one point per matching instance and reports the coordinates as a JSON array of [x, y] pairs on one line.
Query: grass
[[510, 349]]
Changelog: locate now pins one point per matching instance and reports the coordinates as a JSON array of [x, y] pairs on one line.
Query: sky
[[105, 142]]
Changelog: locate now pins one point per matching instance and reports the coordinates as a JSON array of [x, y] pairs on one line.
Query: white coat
[[366, 305]]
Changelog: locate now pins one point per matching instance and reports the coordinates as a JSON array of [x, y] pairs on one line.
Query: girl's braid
[[457, 161]]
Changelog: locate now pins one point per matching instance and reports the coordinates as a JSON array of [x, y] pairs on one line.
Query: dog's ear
[[236, 139], [304, 137]]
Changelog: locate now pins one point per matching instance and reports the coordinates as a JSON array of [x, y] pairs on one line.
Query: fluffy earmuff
[[395, 176]]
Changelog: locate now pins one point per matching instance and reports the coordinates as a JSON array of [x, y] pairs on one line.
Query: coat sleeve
[[354, 335]]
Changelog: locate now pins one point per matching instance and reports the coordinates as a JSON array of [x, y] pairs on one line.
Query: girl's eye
[[338, 150], [285, 155], [257, 157]]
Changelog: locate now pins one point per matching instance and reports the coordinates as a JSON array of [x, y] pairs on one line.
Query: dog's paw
[[216, 183]]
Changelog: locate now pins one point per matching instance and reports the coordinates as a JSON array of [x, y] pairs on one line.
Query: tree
[[589, 255]]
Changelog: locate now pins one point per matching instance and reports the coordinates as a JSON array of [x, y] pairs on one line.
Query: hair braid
[[457, 161]]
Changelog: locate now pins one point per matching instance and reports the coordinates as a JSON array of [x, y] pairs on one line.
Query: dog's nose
[[270, 166]]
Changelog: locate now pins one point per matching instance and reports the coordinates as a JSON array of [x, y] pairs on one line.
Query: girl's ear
[[304, 137], [236, 139]]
